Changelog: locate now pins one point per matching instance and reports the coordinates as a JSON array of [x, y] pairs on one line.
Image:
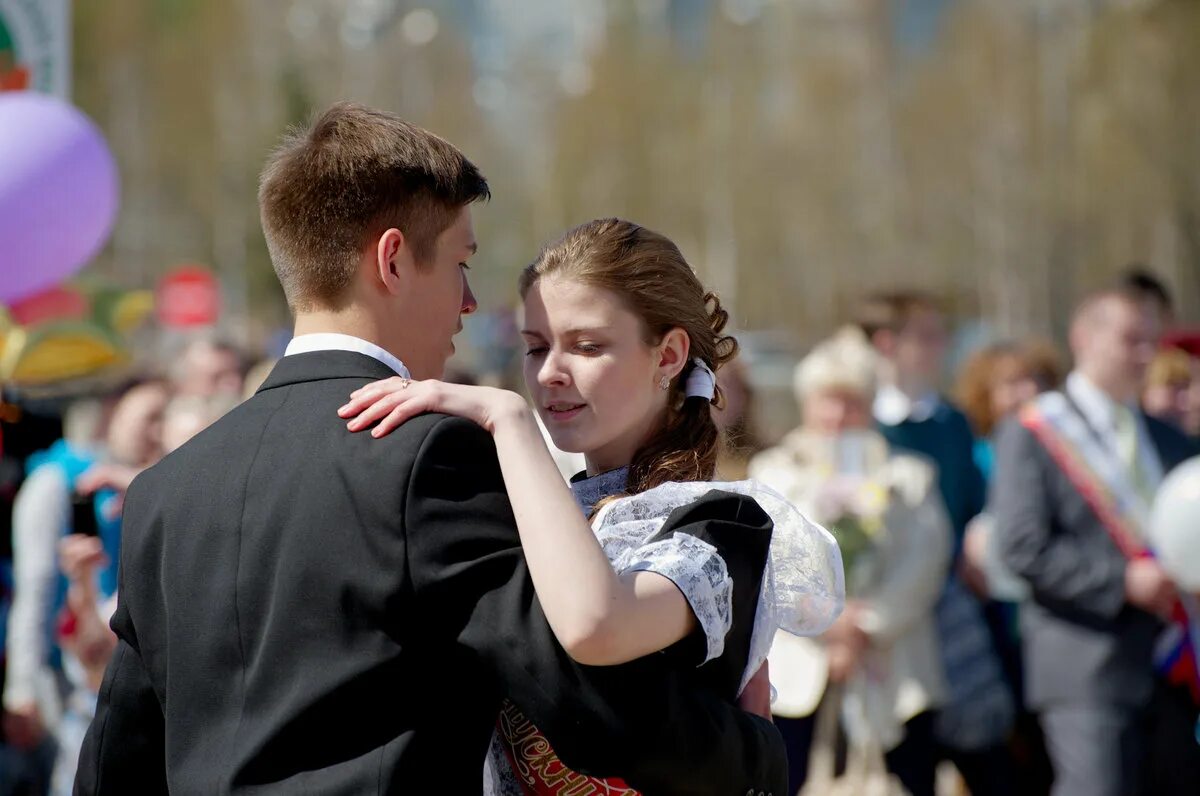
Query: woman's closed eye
[[589, 348], [535, 351]]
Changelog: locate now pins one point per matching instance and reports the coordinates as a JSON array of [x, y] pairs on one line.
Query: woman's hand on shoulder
[[391, 402]]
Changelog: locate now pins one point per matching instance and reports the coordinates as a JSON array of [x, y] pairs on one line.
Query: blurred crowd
[[992, 622], [65, 521]]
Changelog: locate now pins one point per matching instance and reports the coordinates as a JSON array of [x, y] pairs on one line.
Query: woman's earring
[[665, 383]]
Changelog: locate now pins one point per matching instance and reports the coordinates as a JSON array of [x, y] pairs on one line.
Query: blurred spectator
[[208, 366], [735, 421], [188, 415], [459, 375], [87, 644], [1075, 474], [24, 430], [998, 379], [908, 330], [255, 377], [41, 512], [1143, 285], [885, 509], [1186, 340], [994, 383], [42, 687], [87, 637], [1172, 390]]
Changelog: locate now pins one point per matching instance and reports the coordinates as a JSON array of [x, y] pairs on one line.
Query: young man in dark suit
[[306, 610]]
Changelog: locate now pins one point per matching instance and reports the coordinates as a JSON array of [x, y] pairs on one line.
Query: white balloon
[[1175, 525]]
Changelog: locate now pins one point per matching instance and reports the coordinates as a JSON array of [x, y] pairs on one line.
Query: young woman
[[622, 348]]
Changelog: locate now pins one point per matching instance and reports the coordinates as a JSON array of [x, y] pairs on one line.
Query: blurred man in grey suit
[[1096, 611]]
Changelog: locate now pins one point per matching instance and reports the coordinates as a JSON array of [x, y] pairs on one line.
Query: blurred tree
[[797, 156]]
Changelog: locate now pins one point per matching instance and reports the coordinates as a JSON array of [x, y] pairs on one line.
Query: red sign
[[188, 296]]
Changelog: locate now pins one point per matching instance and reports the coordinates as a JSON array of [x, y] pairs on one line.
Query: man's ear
[[394, 261]]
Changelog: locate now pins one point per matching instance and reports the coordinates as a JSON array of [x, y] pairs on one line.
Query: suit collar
[[329, 341], [324, 365]]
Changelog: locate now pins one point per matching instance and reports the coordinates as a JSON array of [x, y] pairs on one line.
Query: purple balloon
[[58, 192]]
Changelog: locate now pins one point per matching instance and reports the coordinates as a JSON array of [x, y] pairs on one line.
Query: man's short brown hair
[[331, 188], [891, 311]]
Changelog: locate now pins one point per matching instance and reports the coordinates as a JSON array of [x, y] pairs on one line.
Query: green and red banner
[[35, 46]]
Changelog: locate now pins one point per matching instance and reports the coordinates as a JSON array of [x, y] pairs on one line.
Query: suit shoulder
[[1012, 429], [953, 415], [454, 444], [1174, 445], [1165, 430], [439, 430]]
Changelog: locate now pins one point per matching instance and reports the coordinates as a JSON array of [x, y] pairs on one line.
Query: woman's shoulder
[[688, 502]]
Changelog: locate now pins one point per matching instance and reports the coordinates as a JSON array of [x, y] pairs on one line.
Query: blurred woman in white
[[880, 659]]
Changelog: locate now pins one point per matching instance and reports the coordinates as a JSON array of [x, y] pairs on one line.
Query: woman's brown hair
[[979, 375], [654, 281]]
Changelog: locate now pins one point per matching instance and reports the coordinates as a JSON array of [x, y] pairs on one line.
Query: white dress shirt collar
[[329, 341], [1099, 409], [892, 407]]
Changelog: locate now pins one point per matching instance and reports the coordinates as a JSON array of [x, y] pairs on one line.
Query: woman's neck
[[621, 452], [598, 466]]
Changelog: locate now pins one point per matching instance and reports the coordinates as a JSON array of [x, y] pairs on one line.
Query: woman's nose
[[552, 373]]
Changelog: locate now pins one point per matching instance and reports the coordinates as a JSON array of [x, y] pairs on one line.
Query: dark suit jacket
[[305, 610], [1082, 641]]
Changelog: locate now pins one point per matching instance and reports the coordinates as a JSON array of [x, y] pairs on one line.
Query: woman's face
[[836, 410], [1170, 401], [135, 429], [1012, 386], [591, 375]]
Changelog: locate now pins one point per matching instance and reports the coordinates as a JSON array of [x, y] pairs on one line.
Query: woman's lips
[[562, 411]]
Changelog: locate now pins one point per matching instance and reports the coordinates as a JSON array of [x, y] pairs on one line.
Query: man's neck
[[1115, 393], [352, 322], [913, 389]]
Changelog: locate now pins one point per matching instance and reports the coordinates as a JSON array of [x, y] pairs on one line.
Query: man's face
[[920, 346], [209, 370], [1116, 347], [831, 411], [135, 429], [430, 311]]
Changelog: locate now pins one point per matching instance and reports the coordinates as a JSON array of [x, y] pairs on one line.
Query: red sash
[[1178, 665], [538, 768]]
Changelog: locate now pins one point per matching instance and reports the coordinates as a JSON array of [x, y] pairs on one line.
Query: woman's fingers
[[396, 418], [376, 410], [385, 385], [361, 399], [368, 393]]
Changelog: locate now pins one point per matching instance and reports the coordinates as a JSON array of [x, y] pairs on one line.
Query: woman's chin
[[568, 443]]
